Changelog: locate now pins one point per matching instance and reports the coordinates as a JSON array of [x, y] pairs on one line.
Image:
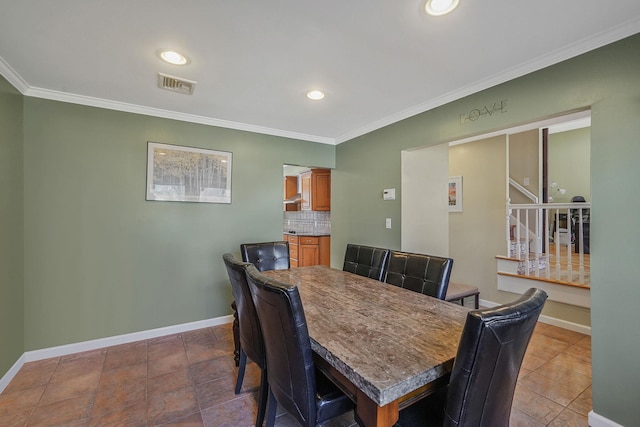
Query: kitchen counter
[[293, 233]]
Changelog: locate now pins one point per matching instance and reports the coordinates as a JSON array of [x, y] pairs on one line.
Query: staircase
[[565, 278], [537, 260]]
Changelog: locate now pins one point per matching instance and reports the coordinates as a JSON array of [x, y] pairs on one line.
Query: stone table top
[[386, 340]]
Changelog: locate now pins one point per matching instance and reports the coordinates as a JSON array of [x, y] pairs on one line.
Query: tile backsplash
[[307, 222]]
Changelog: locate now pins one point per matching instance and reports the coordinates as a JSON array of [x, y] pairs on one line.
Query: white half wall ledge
[[565, 324], [63, 350], [596, 420]]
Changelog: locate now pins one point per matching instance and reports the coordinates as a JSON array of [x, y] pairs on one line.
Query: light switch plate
[[388, 222], [389, 194]]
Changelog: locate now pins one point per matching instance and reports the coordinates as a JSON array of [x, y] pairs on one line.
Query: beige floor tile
[[70, 387], [568, 361], [239, 412], [168, 363], [165, 383], [568, 418], [520, 419], [583, 404], [171, 407], [188, 379], [564, 375], [16, 407], [564, 335], [73, 411], [33, 374], [534, 405], [560, 392]]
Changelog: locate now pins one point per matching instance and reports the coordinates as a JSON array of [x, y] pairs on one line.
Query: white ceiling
[[379, 61]]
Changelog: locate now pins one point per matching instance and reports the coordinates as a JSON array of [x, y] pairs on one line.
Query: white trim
[[596, 41], [564, 324], [557, 120], [63, 350], [108, 104], [552, 58], [6, 379], [572, 295], [13, 77], [596, 420]]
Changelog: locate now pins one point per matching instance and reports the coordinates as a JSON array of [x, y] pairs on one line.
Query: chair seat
[[330, 401], [428, 412], [459, 291]]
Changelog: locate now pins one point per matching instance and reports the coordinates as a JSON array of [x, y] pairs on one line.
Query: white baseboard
[[576, 327], [64, 350], [6, 379], [596, 420]]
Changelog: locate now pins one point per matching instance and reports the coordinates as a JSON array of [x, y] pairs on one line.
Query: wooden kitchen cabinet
[[316, 190], [290, 190], [308, 250], [293, 249]]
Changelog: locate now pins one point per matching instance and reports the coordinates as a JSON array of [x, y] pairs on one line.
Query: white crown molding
[[12, 77], [168, 114], [585, 45], [598, 40]]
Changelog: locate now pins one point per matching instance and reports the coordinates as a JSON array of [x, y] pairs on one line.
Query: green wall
[[606, 80], [570, 164], [11, 226], [99, 259]]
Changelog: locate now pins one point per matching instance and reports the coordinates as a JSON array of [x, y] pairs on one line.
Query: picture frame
[[177, 173], [455, 194]]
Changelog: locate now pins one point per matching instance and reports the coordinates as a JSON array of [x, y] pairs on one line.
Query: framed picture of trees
[[188, 174]]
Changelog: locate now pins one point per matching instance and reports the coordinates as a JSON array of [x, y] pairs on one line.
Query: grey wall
[[570, 164], [11, 226], [99, 259], [607, 81]]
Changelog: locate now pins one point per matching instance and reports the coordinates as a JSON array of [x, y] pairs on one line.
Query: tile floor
[[188, 380]]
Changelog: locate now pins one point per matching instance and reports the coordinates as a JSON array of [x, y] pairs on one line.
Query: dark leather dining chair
[[365, 260], [294, 383], [250, 334], [426, 274], [485, 371], [266, 255]]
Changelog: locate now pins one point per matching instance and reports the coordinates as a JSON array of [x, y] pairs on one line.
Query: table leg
[[369, 414], [236, 334]]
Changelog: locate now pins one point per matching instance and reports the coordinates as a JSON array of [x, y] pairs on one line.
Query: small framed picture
[[455, 194]]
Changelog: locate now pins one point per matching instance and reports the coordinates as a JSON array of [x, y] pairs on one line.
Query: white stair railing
[[567, 225]]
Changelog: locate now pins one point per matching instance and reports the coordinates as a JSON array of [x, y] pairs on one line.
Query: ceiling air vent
[[176, 84]]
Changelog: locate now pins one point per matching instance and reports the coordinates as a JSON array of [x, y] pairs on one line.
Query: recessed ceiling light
[[315, 95], [173, 57], [440, 7]]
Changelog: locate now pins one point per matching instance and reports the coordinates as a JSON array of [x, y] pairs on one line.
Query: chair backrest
[[290, 367], [266, 255], [426, 274], [576, 213], [484, 375], [365, 260], [250, 334]]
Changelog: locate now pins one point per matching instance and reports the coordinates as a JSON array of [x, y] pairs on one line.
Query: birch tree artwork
[[188, 174]]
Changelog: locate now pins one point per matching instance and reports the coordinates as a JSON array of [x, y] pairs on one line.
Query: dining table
[[384, 346]]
